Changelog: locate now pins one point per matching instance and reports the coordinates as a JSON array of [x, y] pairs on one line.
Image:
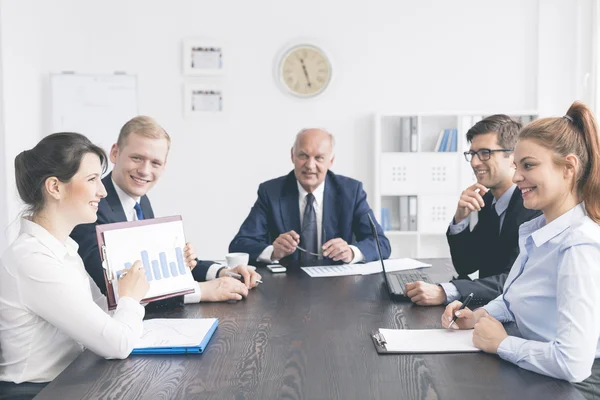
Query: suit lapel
[[146, 207], [512, 212], [330, 217], [112, 198], [288, 203]]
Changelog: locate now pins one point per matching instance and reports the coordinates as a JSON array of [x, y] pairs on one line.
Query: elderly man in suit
[[493, 245], [139, 158], [310, 215]]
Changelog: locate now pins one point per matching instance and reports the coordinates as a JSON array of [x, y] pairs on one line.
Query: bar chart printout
[[161, 268], [159, 246]]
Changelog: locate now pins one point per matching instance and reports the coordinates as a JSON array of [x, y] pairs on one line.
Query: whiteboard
[[96, 106]]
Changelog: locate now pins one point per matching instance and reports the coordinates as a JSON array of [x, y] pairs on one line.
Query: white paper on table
[[428, 340], [332, 270], [174, 332], [397, 264]]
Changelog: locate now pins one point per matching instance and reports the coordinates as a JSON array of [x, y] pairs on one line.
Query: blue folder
[[197, 349]]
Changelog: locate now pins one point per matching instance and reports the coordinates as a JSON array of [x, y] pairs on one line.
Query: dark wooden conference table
[[297, 337]]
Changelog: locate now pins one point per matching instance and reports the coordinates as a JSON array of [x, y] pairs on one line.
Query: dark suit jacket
[[472, 251], [110, 210], [276, 211]]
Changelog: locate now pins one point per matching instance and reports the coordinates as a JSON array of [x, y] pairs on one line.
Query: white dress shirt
[[50, 309], [552, 295], [128, 203], [265, 256]]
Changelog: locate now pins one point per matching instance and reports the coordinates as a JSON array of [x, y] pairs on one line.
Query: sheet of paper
[[397, 264], [331, 270], [172, 332], [428, 340]]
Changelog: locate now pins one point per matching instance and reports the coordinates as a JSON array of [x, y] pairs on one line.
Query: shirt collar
[[502, 203], [318, 192], [126, 200], [69, 247], [556, 227]]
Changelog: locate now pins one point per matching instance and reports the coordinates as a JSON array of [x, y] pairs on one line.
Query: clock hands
[[305, 72]]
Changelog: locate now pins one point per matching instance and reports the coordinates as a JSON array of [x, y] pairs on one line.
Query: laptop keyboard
[[398, 281]]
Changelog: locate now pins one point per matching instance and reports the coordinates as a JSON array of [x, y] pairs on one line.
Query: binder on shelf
[[414, 137], [405, 144], [403, 213], [438, 144], [454, 141], [385, 219], [158, 243], [445, 140], [176, 336], [412, 213]]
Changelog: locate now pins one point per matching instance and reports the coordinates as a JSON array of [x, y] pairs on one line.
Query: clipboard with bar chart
[[158, 243]]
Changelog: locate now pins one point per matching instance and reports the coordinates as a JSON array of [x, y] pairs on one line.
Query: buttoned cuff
[[358, 255], [265, 256], [508, 349], [455, 229], [451, 291], [128, 303], [213, 271], [195, 297]]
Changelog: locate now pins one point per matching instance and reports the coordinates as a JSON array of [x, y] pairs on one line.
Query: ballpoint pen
[[465, 304], [238, 276]]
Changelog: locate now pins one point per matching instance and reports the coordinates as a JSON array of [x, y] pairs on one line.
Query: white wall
[[404, 56], [3, 196]]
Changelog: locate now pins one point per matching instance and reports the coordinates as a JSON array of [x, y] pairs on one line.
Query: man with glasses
[[310, 215], [492, 246]]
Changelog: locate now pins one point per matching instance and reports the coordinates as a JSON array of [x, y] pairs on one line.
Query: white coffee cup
[[235, 259]]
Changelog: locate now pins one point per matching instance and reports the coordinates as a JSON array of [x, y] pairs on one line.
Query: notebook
[[424, 341], [176, 336]]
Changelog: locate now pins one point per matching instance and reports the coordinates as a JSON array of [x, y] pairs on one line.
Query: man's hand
[[223, 289], [247, 272], [284, 245], [470, 200], [488, 334], [425, 294], [337, 249], [190, 256]]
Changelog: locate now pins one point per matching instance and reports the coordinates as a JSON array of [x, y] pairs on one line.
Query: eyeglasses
[[323, 240], [483, 154]]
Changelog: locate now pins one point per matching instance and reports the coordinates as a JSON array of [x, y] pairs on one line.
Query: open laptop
[[397, 280]]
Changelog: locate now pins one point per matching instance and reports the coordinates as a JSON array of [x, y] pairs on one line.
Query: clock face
[[305, 71]]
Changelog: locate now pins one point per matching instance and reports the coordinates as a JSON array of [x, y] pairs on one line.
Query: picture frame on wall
[[201, 57], [203, 99]]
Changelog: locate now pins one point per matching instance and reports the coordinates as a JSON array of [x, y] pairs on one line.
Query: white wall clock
[[303, 70]]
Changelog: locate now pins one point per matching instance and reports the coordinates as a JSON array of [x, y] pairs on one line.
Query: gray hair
[[331, 138]]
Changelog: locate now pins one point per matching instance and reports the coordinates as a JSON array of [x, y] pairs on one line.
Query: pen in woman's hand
[[465, 304]]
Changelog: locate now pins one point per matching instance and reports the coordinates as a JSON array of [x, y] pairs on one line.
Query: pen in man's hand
[[238, 276], [465, 304]]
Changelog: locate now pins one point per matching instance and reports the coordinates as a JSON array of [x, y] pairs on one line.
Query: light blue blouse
[[552, 293]]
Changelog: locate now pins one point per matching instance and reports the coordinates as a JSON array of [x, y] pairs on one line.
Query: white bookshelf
[[436, 179]]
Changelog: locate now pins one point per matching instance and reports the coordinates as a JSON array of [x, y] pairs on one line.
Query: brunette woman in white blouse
[[50, 309]]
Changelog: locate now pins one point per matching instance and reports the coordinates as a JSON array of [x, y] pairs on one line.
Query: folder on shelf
[[176, 336], [158, 243], [445, 140], [414, 137], [438, 144], [390, 341], [454, 141], [405, 135], [412, 213], [403, 213]]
